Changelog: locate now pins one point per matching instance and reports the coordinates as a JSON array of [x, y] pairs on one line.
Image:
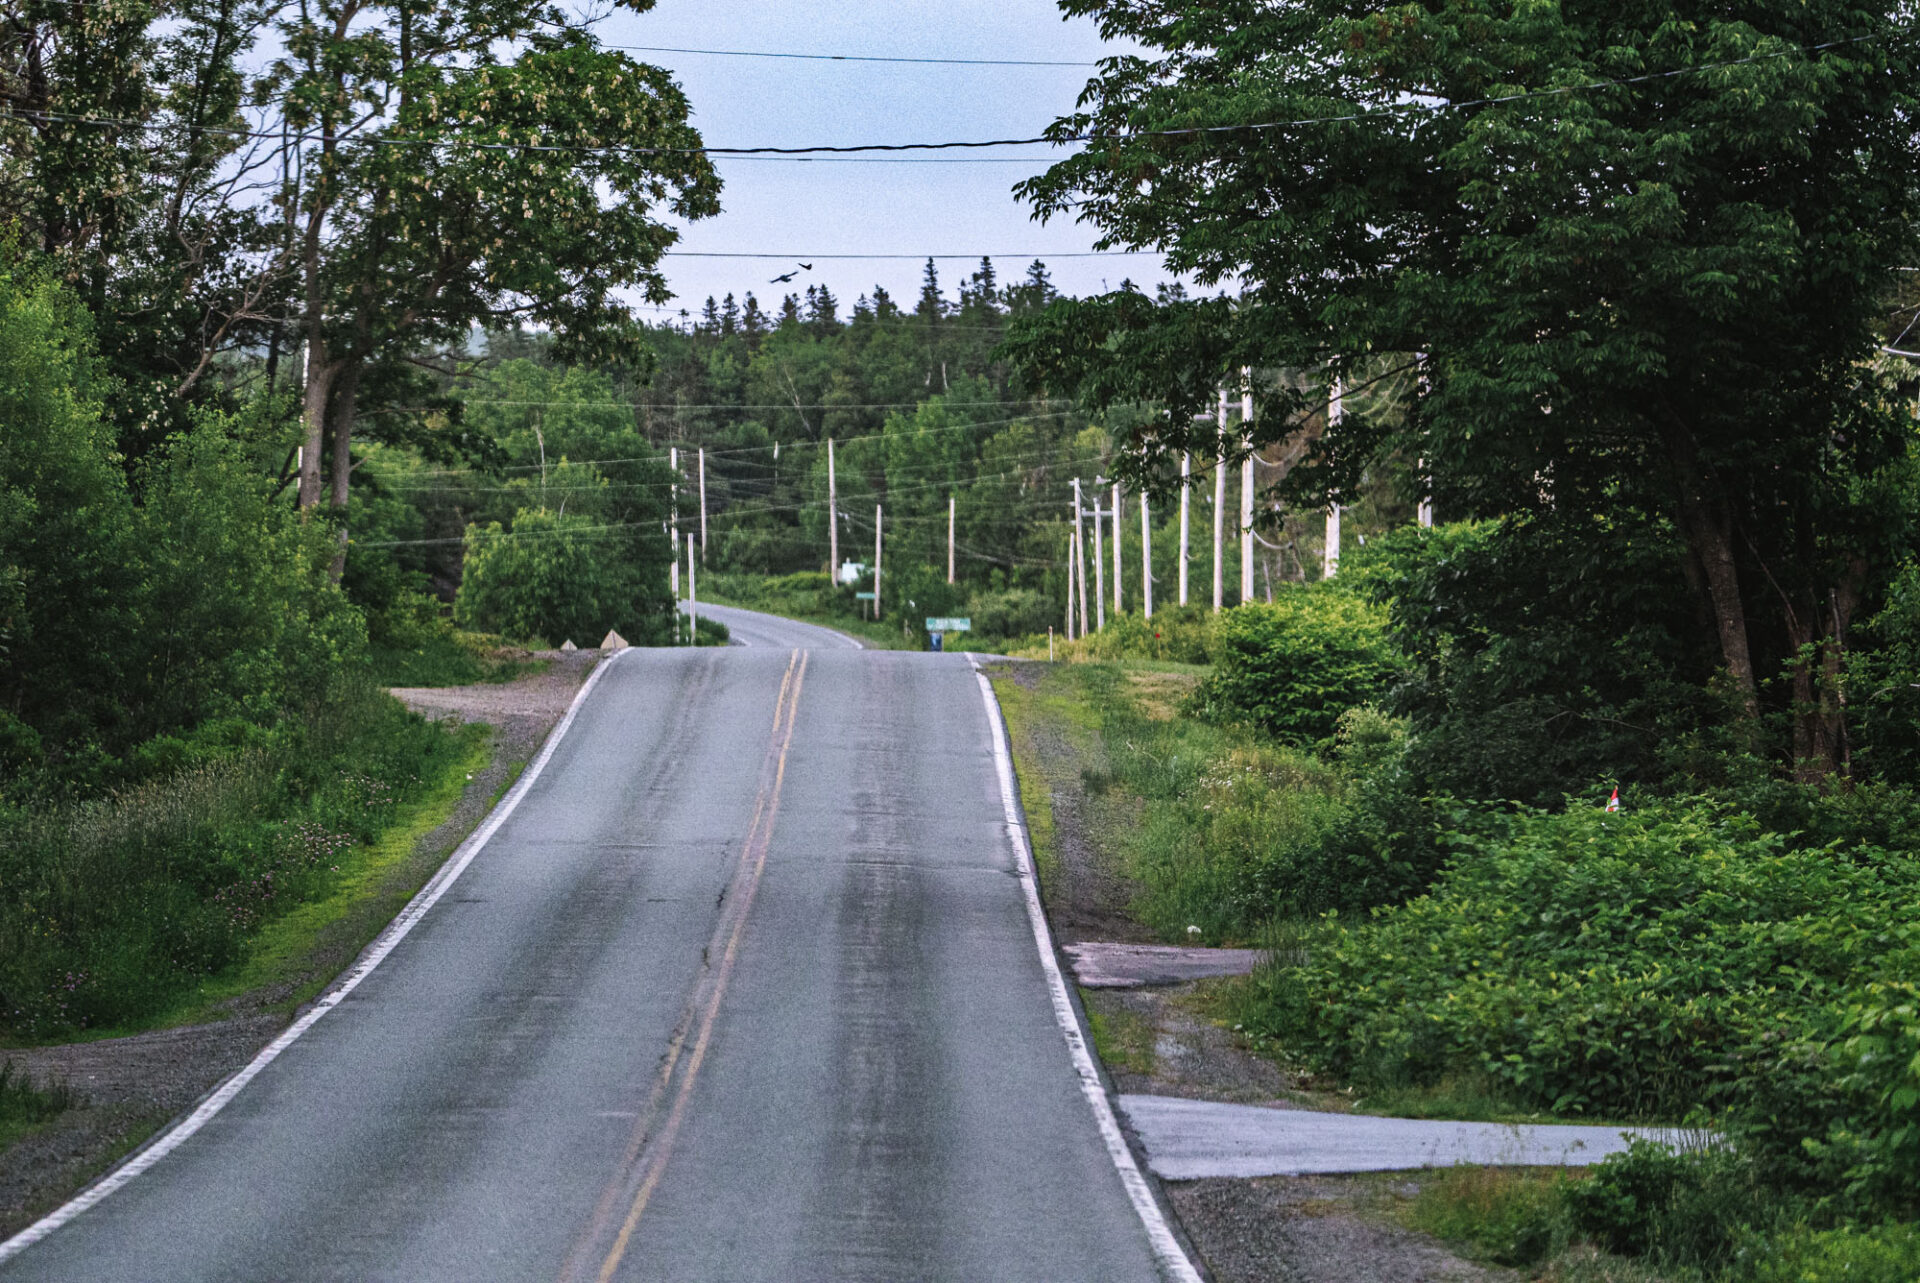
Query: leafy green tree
[[562, 576], [442, 192], [1637, 252], [65, 520]]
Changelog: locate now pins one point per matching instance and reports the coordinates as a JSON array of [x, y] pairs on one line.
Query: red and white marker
[[1613, 803]]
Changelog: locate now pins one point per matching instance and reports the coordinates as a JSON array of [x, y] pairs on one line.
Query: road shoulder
[[130, 1087], [1169, 1039]]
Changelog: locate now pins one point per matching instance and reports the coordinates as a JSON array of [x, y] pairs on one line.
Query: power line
[[771, 405], [854, 57], [1096, 253], [1053, 140], [738, 450]]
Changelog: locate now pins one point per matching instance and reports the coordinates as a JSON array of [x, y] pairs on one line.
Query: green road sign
[[863, 596], [936, 624]]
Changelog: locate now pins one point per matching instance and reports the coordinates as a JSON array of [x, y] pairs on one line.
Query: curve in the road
[[757, 628]]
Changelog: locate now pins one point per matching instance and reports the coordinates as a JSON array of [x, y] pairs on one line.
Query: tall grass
[[109, 908]]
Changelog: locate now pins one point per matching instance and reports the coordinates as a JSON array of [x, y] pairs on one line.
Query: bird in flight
[[782, 280]]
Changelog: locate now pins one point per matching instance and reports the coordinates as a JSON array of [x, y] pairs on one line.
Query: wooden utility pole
[[1330, 553], [693, 596], [1099, 568], [878, 516], [1186, 495], [1220, 509], [1424, 513], [1116, 551], [833, 519], [1072, 548], [1146, 560], [1080, 554], [673, 514], [703, 503], [949, 538], [1246, 485]]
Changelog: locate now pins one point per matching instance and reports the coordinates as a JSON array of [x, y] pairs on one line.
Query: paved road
[[752, 628], [743, 990]]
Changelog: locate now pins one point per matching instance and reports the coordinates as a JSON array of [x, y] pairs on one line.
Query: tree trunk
[[346, 399], [320, 374], [1707, 527]]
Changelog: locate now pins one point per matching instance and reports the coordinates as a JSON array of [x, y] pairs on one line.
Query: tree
[[1637, 254], [442, 192]]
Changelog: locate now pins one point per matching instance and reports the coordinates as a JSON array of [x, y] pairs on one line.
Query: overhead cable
[[1052, 140]]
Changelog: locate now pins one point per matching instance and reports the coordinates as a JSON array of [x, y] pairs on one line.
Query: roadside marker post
[[693, 597]]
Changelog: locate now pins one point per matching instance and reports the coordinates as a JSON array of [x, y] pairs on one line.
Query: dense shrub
[[1176, 634], [111, 908], [1294, 667], [1593, 962], [1543, 653], [1850, 1254], [1831, 1102], [561, 577], [1009, 612]]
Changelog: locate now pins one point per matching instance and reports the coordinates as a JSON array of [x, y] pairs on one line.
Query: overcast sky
[[812, 209]]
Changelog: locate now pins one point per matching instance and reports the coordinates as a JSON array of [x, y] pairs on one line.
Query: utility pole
[[833, 519], [949, 538], [1080, 555], [1330, 554], [1116, 550], [673, 514], [703, 503], [1220, 507], [1146, 560], [1186, 494], [877, 516], [1099, 568], [693, 596], [1246, 485], [1072, 544], [1424, 513]]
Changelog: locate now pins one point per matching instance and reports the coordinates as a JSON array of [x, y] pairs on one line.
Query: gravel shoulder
[[130, 1087]]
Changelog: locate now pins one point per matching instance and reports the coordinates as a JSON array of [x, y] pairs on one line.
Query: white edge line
[[1166, 1247], [375, 953]]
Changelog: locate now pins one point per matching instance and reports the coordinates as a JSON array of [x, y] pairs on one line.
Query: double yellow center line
[[659, 1123]]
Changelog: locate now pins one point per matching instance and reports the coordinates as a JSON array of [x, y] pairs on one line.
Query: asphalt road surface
[[752, 628], [744, 989]]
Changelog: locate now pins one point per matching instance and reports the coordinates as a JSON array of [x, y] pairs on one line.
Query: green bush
[[1684, 1208], [1542, 653], [560, 577], [1850, 1254], [1831, 1103], [1175, 634], [1293, 668], [1593, 962], [1009, 612]]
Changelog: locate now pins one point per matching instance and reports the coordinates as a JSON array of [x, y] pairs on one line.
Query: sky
[[806, 210]]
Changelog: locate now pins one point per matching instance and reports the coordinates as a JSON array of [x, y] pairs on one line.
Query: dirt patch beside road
[[130, 1087]]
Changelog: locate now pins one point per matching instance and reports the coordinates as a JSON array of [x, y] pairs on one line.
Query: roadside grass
[[1044, 709], [441, 655], [25, 1105], [299, 952], [1124, 1040], [1510, 1216]]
